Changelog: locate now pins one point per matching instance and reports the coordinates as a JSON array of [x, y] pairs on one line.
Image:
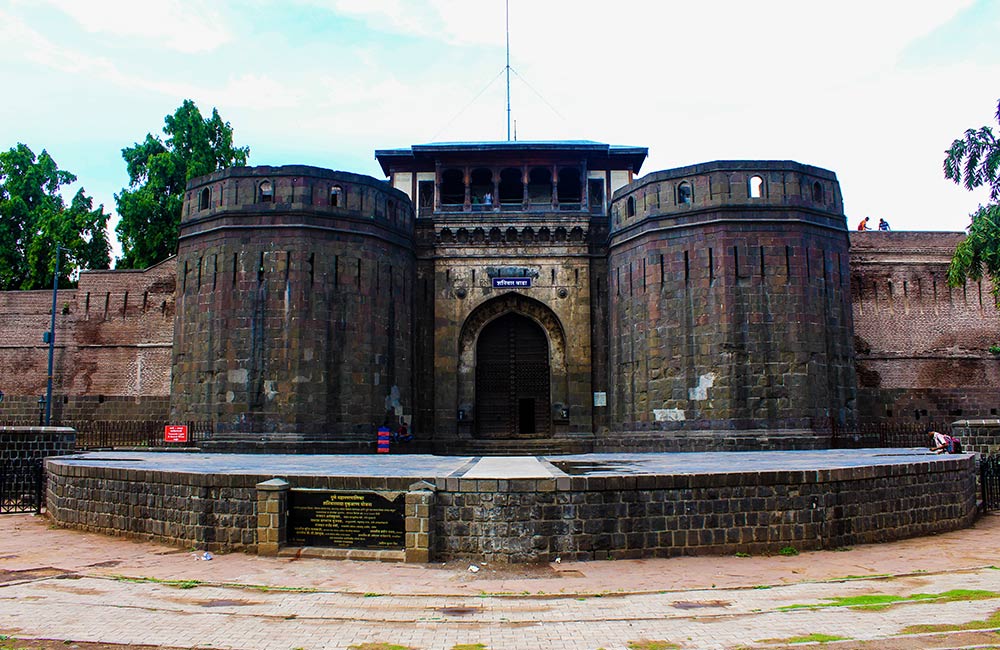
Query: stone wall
[[623, 517], [294, 314], [20, 443], [730, 311], [978, 436], [922, 346]]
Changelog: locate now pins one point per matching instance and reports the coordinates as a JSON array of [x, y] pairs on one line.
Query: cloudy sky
[[873, 90]]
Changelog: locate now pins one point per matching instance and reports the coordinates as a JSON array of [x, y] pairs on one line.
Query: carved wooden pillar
[[525, 199], [437, 187], [467, 181], [495, 175], [554, 183]]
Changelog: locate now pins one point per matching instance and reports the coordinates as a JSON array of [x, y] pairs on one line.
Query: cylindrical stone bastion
[[730, 312], [294, 306]]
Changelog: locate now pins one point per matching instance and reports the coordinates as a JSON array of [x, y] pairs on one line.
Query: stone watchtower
[[294, 306], [729, 304]]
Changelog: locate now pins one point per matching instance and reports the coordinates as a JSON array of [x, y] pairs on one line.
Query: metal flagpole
[[508, 69]]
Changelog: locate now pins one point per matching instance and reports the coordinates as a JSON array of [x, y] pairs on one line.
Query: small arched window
[[266, 192], [684, 193], [630, 207], [335, 196], [205, 199], [817, 192], [755, 187]]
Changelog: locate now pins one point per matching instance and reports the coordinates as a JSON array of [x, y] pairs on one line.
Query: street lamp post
[[52, 341]]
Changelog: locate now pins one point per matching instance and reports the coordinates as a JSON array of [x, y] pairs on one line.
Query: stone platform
[[533, 508]]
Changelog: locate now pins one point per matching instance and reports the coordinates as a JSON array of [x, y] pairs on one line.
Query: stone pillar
[[272, 516], [419, 537]]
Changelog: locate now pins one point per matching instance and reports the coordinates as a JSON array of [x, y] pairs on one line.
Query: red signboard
[[175, 433]]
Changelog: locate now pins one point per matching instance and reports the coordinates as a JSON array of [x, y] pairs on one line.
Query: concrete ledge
[[343, 553]]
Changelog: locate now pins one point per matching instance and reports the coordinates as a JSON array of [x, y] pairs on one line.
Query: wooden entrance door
[[512, 379]]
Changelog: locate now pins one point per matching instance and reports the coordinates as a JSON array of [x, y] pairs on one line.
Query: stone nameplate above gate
[[327, 518], [511, 283]]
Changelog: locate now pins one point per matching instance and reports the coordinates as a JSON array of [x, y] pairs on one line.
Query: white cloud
[[188, 27]]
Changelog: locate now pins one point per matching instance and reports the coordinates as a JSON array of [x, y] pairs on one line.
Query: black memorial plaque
[[346, 519]]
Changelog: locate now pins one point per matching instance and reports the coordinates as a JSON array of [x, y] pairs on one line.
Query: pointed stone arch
[[540, 315]]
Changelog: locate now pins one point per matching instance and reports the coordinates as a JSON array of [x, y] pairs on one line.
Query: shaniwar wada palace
[[529, 297]]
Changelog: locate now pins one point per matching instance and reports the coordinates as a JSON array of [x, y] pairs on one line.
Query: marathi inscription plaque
[[346, 519]]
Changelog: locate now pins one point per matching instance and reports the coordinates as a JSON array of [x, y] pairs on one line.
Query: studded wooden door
[[512, 379]]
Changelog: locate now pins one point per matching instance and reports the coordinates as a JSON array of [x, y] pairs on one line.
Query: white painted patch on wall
[[700, 391], [669, 415], [300, 379], [269, 391], [237, 376], [230, 396], [392, 401]]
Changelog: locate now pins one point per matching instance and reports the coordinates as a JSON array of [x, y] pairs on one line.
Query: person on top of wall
[[942, 443], [864, 224], [883, 225]]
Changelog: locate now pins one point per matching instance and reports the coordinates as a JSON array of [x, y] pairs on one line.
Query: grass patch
[[379, 646], [741, 554], [876, 602], [807, 638], [469, 646], [190, 584], [989, 623], [179, 584], [788, 551], [646, 644]]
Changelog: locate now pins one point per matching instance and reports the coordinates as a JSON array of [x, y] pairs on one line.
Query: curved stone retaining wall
[[625, 510]]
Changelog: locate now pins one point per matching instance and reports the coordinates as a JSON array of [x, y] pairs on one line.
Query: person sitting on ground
[[864, 224], [883, 225]]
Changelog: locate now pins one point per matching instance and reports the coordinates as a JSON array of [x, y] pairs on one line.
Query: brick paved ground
[[69, 585]]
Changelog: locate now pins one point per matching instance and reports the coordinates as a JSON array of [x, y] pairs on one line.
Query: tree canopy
[[158, 170], [35, 222], [974, 161]]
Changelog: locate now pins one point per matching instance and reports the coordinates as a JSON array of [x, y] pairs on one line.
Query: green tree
[[150, 207], [34, 219], [974, 161]]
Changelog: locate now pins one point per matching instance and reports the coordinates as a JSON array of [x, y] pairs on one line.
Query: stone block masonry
[[640, 505]]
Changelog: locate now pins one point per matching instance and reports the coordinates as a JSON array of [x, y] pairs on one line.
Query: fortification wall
[[294, 308], [729, 300], [922, 346], [112, 348]]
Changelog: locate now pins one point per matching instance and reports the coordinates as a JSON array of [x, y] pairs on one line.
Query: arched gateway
[[512, 379], [512, 368]]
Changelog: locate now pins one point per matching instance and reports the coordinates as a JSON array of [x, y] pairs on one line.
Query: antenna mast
[[508, 68]]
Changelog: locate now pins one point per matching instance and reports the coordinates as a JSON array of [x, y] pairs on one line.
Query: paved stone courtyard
[[74, 586], [506, 467]]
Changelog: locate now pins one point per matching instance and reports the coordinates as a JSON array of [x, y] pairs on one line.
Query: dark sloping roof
[[632, 156]]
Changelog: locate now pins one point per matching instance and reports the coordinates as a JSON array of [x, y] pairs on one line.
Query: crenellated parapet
[[738, 190], [294, 194]]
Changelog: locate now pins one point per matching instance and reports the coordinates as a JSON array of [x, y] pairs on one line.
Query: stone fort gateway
[[521, 307], [525, 297]]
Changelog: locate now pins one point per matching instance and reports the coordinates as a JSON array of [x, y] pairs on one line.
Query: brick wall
[[922, 346], [112, 346]]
